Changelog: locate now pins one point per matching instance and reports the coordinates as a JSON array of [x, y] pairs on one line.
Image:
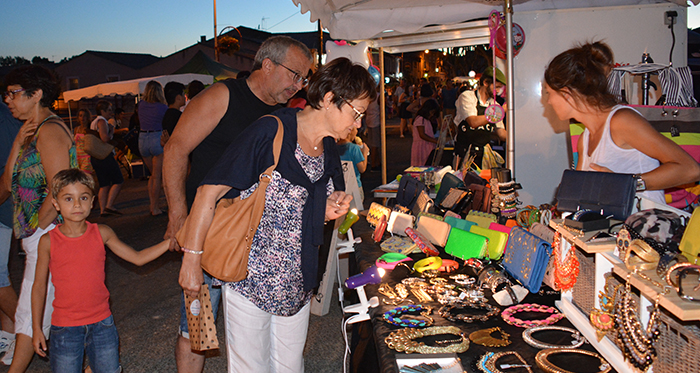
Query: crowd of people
[[217, 148]]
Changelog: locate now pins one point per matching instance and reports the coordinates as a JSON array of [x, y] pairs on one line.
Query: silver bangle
[[577, 338], [192, 251]]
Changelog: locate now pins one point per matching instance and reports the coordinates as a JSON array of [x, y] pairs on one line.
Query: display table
[[366, 254]]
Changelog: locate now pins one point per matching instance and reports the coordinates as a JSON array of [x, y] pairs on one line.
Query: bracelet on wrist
[[192, 251]]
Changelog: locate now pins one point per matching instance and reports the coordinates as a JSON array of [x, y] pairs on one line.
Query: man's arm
[[200, 118]]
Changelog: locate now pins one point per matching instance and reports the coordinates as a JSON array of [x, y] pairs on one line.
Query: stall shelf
[[606, 261]]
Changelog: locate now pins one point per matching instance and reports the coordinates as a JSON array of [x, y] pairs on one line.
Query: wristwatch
[[641, 184]]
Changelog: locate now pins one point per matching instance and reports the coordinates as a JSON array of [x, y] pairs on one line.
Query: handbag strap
[[276, 148]]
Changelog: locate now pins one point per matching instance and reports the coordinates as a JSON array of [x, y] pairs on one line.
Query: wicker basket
[[583, 292], [677, 347]]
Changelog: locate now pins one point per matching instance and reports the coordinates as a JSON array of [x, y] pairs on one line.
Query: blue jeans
[[214, 294], [67, 346]]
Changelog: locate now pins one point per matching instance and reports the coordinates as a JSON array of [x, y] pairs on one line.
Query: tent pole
[[510, 125], [382, 113]]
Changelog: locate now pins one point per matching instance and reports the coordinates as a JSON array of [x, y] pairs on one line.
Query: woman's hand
[[598, 168], [191, 277], [337, 204]]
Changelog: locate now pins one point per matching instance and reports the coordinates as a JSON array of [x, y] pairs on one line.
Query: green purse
[[497, 240], [465, 245]]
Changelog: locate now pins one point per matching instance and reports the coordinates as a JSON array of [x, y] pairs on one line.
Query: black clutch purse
[[603, 192]]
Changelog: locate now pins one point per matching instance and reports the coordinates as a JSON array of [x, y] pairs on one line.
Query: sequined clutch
[[526, 258]]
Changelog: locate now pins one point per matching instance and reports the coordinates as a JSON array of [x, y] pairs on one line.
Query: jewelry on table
[[403, 340], [543, 362], [528, 307], [566, 269], [421, 294], [681, 275], [577, 338], [393, 316], [446, 311], [636, 344], [401, 291], [602, 319], [669, 277], [395, 297], [464, 280], [413, 281], [668, 260], [487, 362], [641, 255], [484, 338]]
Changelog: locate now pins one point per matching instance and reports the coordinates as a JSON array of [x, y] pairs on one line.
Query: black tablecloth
[[367, 252]]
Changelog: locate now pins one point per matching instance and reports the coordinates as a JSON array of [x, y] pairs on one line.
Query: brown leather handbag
[[230, 235], [481, 198]]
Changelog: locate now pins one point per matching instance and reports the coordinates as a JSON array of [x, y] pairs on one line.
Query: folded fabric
[[434, 230], [398, 222], [423, 243], [465, 245], [526, 258], [497, 241]]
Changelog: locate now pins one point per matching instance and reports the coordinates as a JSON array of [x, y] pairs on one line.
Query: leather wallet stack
[[399, 221], [465, 245], [434, 230], [496, 241], [375, 213], [526, 258], [482, 219]]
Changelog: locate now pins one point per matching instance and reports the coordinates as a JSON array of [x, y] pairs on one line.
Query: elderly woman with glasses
[[43, 147], [267, 313]]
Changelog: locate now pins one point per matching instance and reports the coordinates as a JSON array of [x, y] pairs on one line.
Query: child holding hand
[[75, 255]]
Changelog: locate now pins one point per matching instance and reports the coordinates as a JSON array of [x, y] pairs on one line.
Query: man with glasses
[[209, 124]]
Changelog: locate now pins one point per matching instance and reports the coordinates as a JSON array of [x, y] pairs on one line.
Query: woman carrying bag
[[267, 312]]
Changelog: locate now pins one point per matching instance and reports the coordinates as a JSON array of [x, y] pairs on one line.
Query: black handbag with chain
[[605, 192]]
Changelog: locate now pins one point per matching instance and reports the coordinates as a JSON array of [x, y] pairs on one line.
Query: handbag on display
[[434, 230], [481, 198], [430, 216], [95, 147], [482, 219], [542, 231], [376, 211], [456, 199], [497, 241], [200, 321], [605, 192], [526, 258], [409, 190], [423, 203], [460, 223], [399, 221], [690, 243], [230, 235], [465, 245], [448, 182]]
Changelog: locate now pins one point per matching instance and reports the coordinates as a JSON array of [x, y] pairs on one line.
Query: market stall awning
[[369, 19], [203, 64], [131, 87]]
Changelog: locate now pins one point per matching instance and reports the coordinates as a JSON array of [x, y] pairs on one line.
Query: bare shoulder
[[106, 232]]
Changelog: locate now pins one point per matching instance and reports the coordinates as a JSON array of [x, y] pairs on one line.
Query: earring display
[[577, 339]]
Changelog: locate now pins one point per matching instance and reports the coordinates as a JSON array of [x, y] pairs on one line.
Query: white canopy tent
[[132, 87], [398, 26]]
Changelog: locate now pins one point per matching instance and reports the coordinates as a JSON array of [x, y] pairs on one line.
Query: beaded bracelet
[[192, 251], [446, 311], [508, 313], [577, 338], [392, 316], [548, 367], [487, 363]]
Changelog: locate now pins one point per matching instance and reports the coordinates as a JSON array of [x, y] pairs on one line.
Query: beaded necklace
[[393, 316], [566, 269], [508, 313]]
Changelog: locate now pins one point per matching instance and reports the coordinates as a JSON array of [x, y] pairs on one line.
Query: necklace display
[[446, 311], [403, 340], [393, 316], [602, 319], [567, 268], [508, 313], [543, 362], [484, 338], [487, 363], [577, 339], [636, 344]]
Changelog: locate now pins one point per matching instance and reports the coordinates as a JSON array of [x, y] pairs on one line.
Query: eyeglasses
[[298, 78], [11, 94], [358, 114]]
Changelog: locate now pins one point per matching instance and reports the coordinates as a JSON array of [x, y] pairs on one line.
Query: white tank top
[[617, 159]]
